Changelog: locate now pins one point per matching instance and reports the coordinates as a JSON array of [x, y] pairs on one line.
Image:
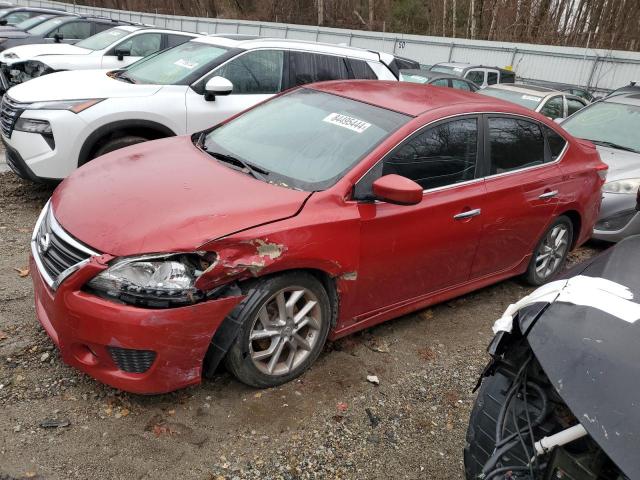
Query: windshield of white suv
[[46, 27], [102, 40], [173, 66], [445, 69], [610, 124], [525, 99], [30, 22], [306, 139]]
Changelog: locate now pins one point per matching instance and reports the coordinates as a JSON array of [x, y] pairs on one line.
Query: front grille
[[132, 361], [10, 111], [55, 251]]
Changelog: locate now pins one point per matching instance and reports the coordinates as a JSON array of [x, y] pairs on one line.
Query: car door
[[139, 45], [256, 75], [522, 183], [413, 251]]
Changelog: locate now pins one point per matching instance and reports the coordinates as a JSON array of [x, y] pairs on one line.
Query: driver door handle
[[547, 195], [468, 214]]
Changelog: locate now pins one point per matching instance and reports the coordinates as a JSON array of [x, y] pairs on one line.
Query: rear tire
[[551, 252], [285, 323], [117, 144]]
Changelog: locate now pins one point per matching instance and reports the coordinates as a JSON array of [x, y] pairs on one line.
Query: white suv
[[53, 124], [117, 47]]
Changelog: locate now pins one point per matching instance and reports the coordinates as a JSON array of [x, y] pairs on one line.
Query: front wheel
[[118, 143], [285, 323], [551, 252]]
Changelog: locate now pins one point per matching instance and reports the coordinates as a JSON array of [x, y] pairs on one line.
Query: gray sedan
[[613, 124], [550, 103]]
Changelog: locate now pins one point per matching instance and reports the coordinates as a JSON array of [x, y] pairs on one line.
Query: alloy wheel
[[552, 251], [285, 331]]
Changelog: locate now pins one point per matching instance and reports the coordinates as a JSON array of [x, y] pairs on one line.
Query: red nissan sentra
[[326, 210]]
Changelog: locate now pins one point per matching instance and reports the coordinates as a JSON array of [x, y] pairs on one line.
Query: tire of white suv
[[118, 143]]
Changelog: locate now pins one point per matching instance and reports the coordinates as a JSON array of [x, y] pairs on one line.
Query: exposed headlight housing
[[628, 186], [10, 55], [152, 281], [75, 106]]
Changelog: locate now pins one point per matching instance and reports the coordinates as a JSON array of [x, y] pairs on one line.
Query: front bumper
[[84, 327]]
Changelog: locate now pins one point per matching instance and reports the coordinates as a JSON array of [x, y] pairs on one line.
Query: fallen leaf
[[378, 346], [258, 395], [427, 354], [171, 412], [3, 336], [159, 430], [342, 406], [22, 272]]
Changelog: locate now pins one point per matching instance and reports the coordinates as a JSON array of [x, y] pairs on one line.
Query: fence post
[[593, 71], [451, 47], [513, 55]]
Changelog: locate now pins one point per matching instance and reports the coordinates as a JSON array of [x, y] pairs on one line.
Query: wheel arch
[[144, 128], [576, 222]]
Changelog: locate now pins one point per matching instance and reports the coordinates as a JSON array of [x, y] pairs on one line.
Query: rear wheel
[[286, 321], [551, 252], [118, 143]]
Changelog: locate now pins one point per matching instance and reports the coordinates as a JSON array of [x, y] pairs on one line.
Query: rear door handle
[[468, 214], [550, 194]]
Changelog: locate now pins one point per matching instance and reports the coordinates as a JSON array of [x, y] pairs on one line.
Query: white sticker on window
[[532, 98], [186, 64], [457, 69], [346, 121], [115, 33]]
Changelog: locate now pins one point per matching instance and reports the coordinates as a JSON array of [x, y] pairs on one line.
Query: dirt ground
[[331, 423]]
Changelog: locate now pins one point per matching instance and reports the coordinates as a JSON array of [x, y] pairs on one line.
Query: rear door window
[[255, 72], [460, 85], [507, 77], [141, 45], [174, 40], [476, 76], [361, 69], [308, 67], [438, 156], [573, 106], [553, 108], [492, 77], [514, 144], [441, 82]]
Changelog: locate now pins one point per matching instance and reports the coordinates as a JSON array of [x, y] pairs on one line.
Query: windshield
[[45, 27], [306, 139], [174, 66], [524, 99], [102, 40], [607, 122], [413, 77], [30, 22]]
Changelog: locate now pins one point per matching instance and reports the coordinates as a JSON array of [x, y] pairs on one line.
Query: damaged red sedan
[[323, 211]]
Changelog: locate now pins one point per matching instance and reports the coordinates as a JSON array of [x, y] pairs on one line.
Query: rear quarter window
[[361, 69], [556, 143]]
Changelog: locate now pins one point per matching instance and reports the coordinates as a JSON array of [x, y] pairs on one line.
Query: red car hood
[[164, 196]]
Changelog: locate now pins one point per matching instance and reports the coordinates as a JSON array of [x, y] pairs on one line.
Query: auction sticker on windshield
[[532, 98], [346, 121]]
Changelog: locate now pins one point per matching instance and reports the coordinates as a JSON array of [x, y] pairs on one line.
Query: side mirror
[[217, 86], [3, 22], [396, 189], [58, 37], [122, 52]]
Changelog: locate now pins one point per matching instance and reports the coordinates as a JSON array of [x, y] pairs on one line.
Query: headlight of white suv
[[75, 106], [628, 185], [154, 281]]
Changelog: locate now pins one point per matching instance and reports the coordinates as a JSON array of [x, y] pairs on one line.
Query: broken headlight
[[152, 281], [628, 185]]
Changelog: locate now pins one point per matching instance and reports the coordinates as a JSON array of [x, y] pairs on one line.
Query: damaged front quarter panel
[[238, 260]]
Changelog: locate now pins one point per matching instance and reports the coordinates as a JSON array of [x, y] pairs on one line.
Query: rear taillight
[[602, 172]]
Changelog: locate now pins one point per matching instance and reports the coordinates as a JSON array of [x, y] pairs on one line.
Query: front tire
[[285, 323], [117, 144], [551, 252]]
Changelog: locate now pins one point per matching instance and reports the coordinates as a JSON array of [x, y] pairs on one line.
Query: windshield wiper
[[613, 145], [125, 77], [258, 173]]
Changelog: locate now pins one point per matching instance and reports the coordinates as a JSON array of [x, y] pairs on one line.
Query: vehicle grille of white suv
[[10, 111]]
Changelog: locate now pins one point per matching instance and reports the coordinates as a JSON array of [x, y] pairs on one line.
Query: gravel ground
[[331, 423]]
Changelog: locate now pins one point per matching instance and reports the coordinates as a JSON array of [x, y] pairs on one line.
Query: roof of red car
[[405, 97]]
